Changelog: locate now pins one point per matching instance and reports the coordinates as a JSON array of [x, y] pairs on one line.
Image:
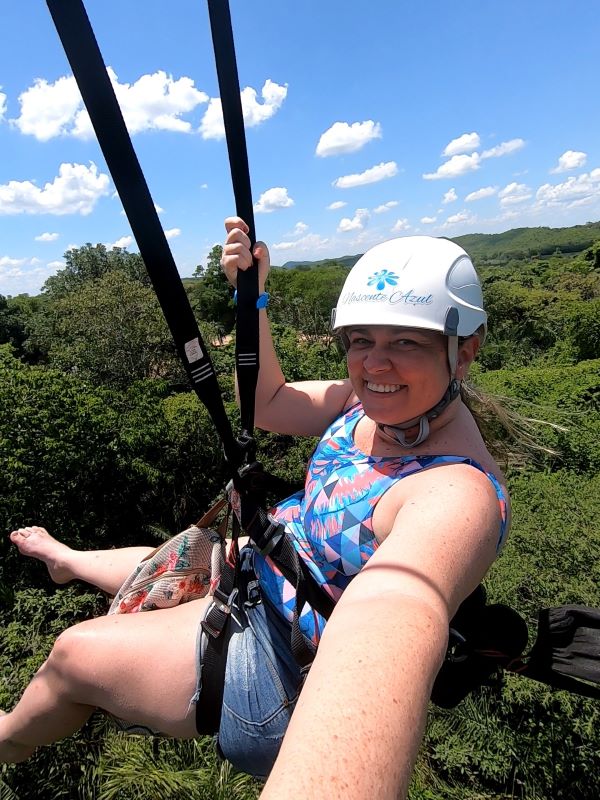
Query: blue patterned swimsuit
[[331, 520]]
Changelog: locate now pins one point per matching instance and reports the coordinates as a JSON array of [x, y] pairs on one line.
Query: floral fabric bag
[[186, 567]]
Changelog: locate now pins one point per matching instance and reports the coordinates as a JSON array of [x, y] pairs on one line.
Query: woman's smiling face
[[397, 373]]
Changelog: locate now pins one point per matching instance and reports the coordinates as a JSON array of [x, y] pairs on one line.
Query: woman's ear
[[467, 351]]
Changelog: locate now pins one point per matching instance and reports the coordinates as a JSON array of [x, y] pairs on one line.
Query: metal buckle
[[453, 647], [268, 537], [224, 606]]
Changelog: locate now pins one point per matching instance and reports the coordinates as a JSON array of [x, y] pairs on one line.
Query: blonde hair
[[509, 435]]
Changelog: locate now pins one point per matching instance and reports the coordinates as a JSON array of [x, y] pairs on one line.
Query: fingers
[[237, 255], [261, 254], [235, 222]]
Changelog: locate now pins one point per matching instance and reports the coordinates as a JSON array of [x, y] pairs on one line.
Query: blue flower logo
[[379, 279]]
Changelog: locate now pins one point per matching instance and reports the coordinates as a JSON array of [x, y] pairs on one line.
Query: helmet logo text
[[411, 299], [408, 298]]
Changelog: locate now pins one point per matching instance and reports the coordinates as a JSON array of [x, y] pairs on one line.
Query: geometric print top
[[330, 522]]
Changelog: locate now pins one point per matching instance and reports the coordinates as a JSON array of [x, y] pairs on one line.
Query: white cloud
[[457, 219], [575, 191], [345, 138], [49, 109], [2, 105], [486, 191], [401, 225], [75, 190], [514, 193], [299, 229], [428, 220], [273, 95], [457, 165], [204, 186], [449, 197], [337, 204], [463, 144], [570, 159], [123, 242], [385, 207], [23, 275], [10, 263], [273, 199], [153, 102], [357, 223], [308, 244], [47, 237], [373, 175], [504, 149], [172, 233]]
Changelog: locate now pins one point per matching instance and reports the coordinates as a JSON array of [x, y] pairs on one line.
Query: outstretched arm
[[360, 718], [304, 408]]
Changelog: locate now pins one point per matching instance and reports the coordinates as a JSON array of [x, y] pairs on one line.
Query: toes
[[18, 534]]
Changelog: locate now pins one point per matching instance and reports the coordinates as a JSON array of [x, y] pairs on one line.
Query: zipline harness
[[482, 638]]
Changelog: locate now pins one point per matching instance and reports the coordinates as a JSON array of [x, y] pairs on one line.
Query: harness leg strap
[[214, 661]]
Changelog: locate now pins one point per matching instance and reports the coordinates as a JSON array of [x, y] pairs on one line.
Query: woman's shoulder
[[452, 489]]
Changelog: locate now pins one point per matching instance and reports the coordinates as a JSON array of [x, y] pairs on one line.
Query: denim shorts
[[262, 680]]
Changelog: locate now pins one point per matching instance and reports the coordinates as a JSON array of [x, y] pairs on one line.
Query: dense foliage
[[101, 441]]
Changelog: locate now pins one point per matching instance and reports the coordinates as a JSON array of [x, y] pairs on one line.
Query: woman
[[395, 541]]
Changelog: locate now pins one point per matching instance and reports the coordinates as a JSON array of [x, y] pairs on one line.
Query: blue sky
[[364, 121]]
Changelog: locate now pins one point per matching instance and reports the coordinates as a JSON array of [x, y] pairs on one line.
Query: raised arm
[[304, 408], [360, 718]]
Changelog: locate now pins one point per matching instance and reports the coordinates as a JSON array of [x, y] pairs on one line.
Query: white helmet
[[413, 282]]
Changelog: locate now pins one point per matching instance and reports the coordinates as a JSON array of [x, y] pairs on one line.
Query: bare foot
[[36, 542], [12, 752]]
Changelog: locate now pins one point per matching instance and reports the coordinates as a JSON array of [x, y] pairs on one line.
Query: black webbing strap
[[88, 67], [247, 342], [266, 534], [486, 639], [566, 652], [216, 623]]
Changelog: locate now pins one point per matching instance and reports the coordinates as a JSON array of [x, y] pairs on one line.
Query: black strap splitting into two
[[80, 45]]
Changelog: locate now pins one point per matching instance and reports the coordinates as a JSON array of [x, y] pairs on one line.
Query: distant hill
[[498, 248], [528, 242], [344, 261]]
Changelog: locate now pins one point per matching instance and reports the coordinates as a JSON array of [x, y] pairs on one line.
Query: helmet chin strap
[[396, 433]]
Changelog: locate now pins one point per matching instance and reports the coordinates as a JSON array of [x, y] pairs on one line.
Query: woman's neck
[[443, 434]]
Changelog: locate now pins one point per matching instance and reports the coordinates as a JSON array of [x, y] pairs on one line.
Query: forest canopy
[[102, 441]]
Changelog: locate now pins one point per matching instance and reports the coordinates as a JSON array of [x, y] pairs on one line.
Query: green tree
[[12, 324], [303, 298], [211, 296], [89, 263], [109, 330]]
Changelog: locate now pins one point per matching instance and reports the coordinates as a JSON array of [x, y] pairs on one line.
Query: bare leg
[[106, 569], [117, 663]]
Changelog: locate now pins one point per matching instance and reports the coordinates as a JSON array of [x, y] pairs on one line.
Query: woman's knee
[[72, 658]]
